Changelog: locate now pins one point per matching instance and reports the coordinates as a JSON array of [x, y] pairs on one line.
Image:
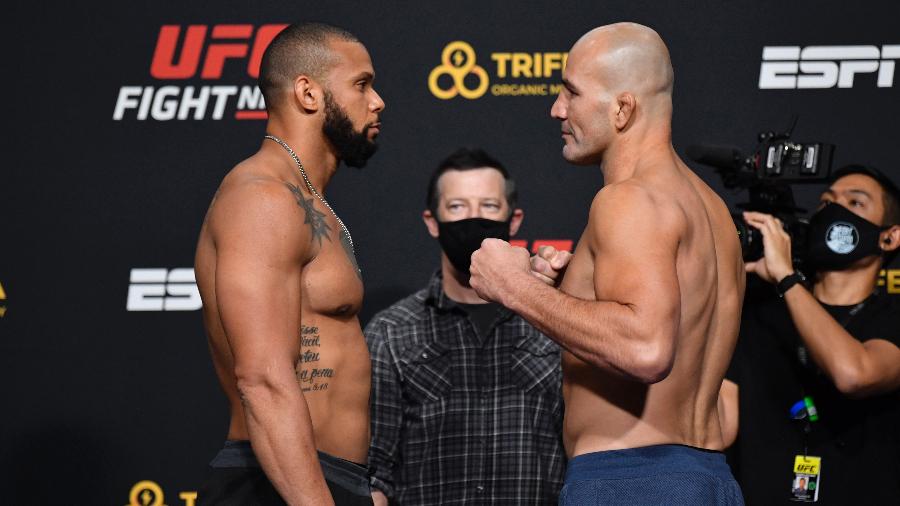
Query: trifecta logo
[[461, 74], [810, 67], [163, 290], [2, 301], [200, 52], [149, 493]]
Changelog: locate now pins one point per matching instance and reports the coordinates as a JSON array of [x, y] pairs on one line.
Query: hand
[[494, 266], [776, 262], [378, 498], [549, 264]]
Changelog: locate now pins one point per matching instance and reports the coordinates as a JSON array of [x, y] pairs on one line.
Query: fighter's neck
[[851, 286], [455, 289], [629, 156], [314, 151]]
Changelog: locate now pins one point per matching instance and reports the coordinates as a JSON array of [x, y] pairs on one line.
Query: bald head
[[299, 49], [626, 57]]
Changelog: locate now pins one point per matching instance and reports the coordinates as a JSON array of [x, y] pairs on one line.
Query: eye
[[857, 203]]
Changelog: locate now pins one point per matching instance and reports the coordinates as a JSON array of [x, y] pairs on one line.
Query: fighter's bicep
[[635, 248], [260, 249]]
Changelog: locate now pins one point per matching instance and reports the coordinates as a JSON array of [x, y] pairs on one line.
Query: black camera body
[[768, 175]]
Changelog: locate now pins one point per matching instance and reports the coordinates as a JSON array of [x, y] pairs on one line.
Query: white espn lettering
[[792, 67], [189, 102], [163, 290]]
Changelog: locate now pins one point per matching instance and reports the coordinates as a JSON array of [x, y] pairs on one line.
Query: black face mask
[[459, 239], [838, 238]]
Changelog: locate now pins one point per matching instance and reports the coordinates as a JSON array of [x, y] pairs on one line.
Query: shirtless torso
[[332, 361], [648, 308], [605, 410], [280, 285]]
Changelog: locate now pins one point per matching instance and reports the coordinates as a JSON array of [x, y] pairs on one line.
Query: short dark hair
[[889, 190], [301, 48], [469, 159]]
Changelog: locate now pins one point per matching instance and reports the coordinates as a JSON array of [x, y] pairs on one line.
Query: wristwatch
[[789, 281]]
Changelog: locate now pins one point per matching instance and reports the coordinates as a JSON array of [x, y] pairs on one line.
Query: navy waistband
[[349, 475], [647, 460]]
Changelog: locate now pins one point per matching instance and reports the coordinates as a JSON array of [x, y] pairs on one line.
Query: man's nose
[[558, 110], [378, 103]]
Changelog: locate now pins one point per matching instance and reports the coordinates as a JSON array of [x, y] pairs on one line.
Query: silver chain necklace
[[313, 190]]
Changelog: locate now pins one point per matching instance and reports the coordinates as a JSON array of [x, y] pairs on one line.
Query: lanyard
[[804, 409]]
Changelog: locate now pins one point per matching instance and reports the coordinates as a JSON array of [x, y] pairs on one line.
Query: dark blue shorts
[[661, 474]]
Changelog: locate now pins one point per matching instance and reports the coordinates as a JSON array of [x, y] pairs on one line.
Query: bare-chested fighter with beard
[[281, 288], [649, 306]]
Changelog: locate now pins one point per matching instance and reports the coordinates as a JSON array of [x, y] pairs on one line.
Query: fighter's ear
[[624, 109], [307, 93]]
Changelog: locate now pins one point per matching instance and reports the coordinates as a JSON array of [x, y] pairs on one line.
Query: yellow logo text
[[890, 279]]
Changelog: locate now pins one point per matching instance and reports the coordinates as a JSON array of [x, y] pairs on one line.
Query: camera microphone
[[725, 157]]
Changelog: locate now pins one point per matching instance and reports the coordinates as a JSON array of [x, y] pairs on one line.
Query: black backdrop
[[101, 395]]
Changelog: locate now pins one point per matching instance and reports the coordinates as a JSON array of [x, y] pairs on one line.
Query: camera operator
[[829, 348]]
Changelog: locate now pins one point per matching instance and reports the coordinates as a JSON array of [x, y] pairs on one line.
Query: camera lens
[[751, 239]]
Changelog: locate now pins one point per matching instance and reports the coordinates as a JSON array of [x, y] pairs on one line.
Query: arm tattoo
[[314, 218]]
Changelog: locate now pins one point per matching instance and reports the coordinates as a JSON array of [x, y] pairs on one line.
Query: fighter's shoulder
[[632, 201], [250, 201]]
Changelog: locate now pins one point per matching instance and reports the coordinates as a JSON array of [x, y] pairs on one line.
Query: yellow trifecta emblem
[[458, 61], [146, 493]]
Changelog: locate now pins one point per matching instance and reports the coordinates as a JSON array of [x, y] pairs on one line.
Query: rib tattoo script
[[314, 218], [310, 377]]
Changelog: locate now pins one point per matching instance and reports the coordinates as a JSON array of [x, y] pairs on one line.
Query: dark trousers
[[236, 479]]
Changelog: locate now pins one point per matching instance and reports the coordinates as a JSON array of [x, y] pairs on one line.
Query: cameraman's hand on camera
[[776, 262]]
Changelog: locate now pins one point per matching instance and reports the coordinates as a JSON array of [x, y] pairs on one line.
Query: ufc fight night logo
[[163, 290], [200, 52], [793, 67]]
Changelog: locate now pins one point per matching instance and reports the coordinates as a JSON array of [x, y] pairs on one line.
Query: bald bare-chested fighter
[[649, 306], [281, 288]]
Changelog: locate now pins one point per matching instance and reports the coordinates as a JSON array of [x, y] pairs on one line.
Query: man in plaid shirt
[[466, 400]]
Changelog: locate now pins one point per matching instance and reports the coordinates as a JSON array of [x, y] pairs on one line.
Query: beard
[[353, 147]]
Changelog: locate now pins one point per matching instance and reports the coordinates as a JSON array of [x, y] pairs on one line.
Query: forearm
[[281, 434], [831, 347], [606, 334]]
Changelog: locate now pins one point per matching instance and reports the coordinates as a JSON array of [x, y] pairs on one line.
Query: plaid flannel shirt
[[457, 419]]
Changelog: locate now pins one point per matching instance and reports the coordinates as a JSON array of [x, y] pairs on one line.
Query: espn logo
[[163, 290], [793, 67]]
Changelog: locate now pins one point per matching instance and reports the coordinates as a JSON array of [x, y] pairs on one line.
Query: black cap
[[867, 170]]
